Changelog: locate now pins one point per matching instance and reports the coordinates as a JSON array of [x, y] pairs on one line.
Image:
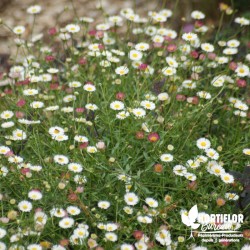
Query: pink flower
[[153, 137], [241, 83], [143, 66], [24, 171], [120, 96], [9, 153], [194, 54], [52, 31], [21, 103], [233, 66], [100, 145], [54, 86], [83, 145], [79, 190], [80, 110], [82, 61], [211, 56], [49, 58], [180, 97], [171, 48], [20, 114]]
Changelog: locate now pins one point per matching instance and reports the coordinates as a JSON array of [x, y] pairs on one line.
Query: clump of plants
[[111, 132]]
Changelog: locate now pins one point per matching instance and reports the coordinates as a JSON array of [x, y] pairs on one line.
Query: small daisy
[[197, 15], [122, 70], [163, 96], [89, 87], [135, 55], [73, 210], [117, 105], [231, 196], [7, 114], [34, 247], [18, 30], [91, 149], [75, 167], [111, 237], [171, 62], [166, 157], [207, 47], [151, 202], [169, 71], [190, 176], [66, 222], [19, 135], [72, 28], [148, 105], [189, 36], [211, 153], [242, 70], [54, 131], [104, 204], [91, 106], [246, 151], [217, 170], [25, 206], [75, 84], [227, 178], [35, 195], [142, 46], [61, 159], [122, 115], [233, 43], [203, 143], [35, 9], [131, 199], [139, 112], [179, 170], [144, 219]]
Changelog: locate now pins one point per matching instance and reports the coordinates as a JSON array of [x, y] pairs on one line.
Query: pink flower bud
[[171, 48], [202, 57], [143, 66], [99, 34], [101, 46], [211, 56], [194, 54], [101, 145], [83, 145], [120, 96], [82, 61], [20, 114], [79, 190], [54, 86], [233, 66], [4, 220], [69, 90], [21, 103], [157, 45], [52, 31], [80, 110], [92, 32], [49, 58], [180, 97], [9, 153], [241, 83], [24, 171]]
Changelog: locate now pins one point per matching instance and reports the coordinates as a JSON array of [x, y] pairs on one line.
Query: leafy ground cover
[[111, 132]]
